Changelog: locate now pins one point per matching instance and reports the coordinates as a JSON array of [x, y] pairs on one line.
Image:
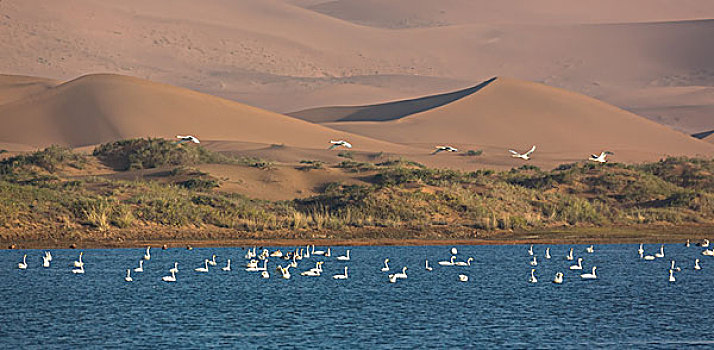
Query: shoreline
[[371, 237]]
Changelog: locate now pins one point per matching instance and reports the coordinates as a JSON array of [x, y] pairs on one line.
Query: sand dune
[[509, 113], [280, 56], [100, 108], [706, 136], [430, 13]]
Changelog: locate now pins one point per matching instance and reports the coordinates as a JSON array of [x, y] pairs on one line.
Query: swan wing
[[531, 150], [514, 152]]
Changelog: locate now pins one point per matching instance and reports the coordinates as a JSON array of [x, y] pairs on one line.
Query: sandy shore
[[362, 237]]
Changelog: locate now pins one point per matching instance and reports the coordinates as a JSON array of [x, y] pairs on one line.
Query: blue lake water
[[631, 305]]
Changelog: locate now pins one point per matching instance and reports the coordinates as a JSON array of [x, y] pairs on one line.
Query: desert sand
[[291, 55]]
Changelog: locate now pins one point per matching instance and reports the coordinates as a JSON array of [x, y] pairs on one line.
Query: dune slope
[[509, 113], [100, 108]]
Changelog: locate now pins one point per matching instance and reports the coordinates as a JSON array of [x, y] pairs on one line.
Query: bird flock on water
[[296, 258]]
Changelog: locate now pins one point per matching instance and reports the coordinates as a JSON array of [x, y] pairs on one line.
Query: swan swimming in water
[[265, 274], [530, 250], [175, 268], [463, 278], [141, 266], [256, 268], [589, 276], [402, 274], [590, 249], [147, 255], [171, 278], [345, 257], [660, 254], [704, 244], [204, 268], [579, 266], [687, 244], [213, 262], [672, 267], [671, 276], [426, 265], [341, 277], [328, 253], [641, 250], [386, 265], [464, 263], [23, 264], [448, 263], [696, 265], [80, 270], [558, 278], [316, 271], [45, 261], [228, 266], [534, 262], [128, 276], [533, 278], [570, 255], [547, 253], [79, 263]]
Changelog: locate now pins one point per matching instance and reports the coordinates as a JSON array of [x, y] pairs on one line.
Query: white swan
[[341, 277], [328, 253], [590, 249], [660, 254], [463, 278], [696, 265], [141, 266], [345, 257], [558, 278], [533, 278], [213, 262], [285, 272], [641, 250], [80, 270], [579, 266], [128, 276], [547, 253], [187, 138], [426, 265], [524, 156], [708, 252], [671, 276], [402, 274], [448, 263], [534, 262], [599, 158], [49, 255], [672, 267], [252, 264], [23, 264], [704, 244], [265, 274], [175, 268], [276, 254], [256, 268], [392, 279], [687, 244], [438, 149], [204, 268], [79, 263], [45, 261], [250, 254], [386, 265], [649, 257], [589, 276], [228, 266], [171, 278], [569, 257], [530, 250], [307, 251], [339, 143], [316, 271], [317, 252], [466, 263], [147, 255]]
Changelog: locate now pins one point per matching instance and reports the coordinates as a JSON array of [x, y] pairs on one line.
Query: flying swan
[[524, 156]]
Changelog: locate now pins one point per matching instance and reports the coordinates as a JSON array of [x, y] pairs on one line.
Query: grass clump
[[155, 152]]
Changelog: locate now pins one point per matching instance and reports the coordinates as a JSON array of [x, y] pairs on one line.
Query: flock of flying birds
[[258, 263], [601, 158]]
